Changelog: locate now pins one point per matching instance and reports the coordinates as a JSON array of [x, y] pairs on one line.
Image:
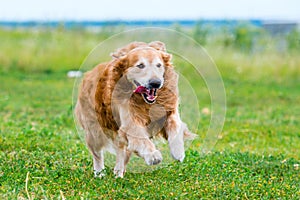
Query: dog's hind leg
[[95, 143]]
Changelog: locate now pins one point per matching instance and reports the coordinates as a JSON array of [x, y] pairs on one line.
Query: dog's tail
[[187, 134]]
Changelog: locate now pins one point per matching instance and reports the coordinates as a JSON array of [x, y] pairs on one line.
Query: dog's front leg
[[175, 131], [122, 154], [137, 138], [139, 142]]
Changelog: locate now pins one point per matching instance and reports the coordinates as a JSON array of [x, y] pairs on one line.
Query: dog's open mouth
[[149, 94]]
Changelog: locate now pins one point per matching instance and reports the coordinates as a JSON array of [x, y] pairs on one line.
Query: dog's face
[[146, 71]]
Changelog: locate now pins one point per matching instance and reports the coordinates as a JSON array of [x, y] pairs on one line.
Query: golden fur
[[111, 114]]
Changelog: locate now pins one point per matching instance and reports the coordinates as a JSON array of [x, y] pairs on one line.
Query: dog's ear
[[124, 50], [166, 58], [117, 54], [158, 45], [121, 63]]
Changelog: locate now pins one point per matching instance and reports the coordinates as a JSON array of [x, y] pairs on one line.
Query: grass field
[[42, 157]]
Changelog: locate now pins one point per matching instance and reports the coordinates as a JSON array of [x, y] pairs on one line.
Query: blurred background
[[45, 28]]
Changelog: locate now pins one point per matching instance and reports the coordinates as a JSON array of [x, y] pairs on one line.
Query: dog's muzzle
[[149, 92]]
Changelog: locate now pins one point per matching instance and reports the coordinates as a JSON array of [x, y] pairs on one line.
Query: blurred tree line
[[244, 37]]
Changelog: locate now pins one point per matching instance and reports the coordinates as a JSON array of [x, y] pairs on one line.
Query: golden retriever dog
[[125, 103]]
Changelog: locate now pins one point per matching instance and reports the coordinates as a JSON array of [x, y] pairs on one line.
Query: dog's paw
[[119, 171], [153, 158], [178, 155], [100, 173], [177, 149]]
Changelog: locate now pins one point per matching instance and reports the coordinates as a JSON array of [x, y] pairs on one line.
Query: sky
[[44, 10]]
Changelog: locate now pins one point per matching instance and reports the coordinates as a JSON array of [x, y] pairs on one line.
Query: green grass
[[257, 155]]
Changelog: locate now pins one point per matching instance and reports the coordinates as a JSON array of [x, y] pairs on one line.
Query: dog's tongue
[[143, 90]]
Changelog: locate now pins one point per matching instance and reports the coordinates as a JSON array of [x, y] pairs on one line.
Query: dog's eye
[[158, 65], [141, 66]]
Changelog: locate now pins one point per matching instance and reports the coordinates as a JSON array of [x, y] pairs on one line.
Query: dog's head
[[145, 68]]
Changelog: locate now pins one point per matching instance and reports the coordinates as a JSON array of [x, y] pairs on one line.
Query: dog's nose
[[154, 83]]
